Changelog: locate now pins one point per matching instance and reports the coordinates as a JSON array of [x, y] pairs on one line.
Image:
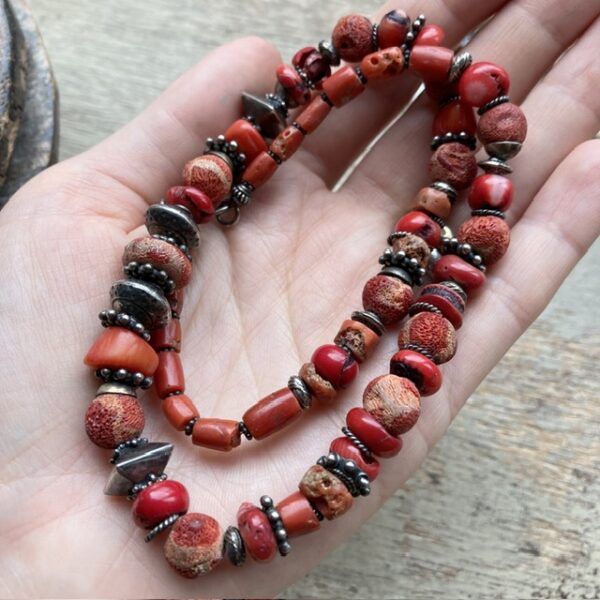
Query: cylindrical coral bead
[[372, 434], [326, 492], [112, 419], [383, 64], [456, 269], [420, 224], [272, 413], [217, 434], [335, 364], [503, 123], [159, 501], [431, 62], [344, 447], [453, 163], [256, 532], [423, 372], [297, 515], [167, 337], [120, 348], [248, 138], [388, 297], [197, 202], [260, 170], [287, 142], [357, 338], [344, 85], [482, 82], [489, 236], [394, 402], [431, 332], [430, 35], [179, 410], [169, 377], [449, 302], [392, 29], [211, 174], [352, 37], [454, 117], [314, 114], [194, 545], [491, 191]]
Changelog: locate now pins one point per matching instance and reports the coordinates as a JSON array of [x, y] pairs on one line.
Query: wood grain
[[507, 505]]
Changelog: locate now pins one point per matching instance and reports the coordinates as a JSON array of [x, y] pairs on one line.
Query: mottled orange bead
[[326, 492], [388, 297], [217, 434], [260, 170], [344, 85], [489, 236], [319, 387], [272, 413], [352, 37], [431, 332], [179, 410], [211, 174], [314, 114], [287, 142], [433, 202], [297, 515], [357, 338], [394, 402], [455, 164], [414, 247], [383, 64], [112, 419]]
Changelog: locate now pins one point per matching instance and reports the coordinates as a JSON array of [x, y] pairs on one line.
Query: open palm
[[264, 295]]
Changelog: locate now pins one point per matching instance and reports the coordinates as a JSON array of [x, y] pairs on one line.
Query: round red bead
[[388, 297], [159, 501], [503, 123], [256, 532], [419, 369], [335, 364], [197, 202], [344, 447], [430, 35], [422, 225], [432, 63], [482, 82], [491, 191], [392, 29], [456, 269], [489, 236], [372, 433], [455, 117]]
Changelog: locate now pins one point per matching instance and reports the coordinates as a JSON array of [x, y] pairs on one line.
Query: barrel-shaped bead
[[432, 63], [179, 410], [169, 377], [415, 366], [256, 532], [297, 515], [249, 140], [314, 114], [344, 85], [217, 434], [382, 64], [159, 501], [260, 170], [357, 338], [273, 413], [167, 337]]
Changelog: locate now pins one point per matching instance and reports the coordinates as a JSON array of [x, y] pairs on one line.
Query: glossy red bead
[[392, 29], [446, 300], [335, 364], [432, 63], [344, 447], [455, 117], [197, 202], [169, 377], [482, 82], [423, 372], [430, 35], [296, 91], [297, 515], [176, 300], [491, 191], [372, 433], [256, 532], [420, 224], [272, 413], [159, 501], [248, 138], [456, 269], [313, 63]]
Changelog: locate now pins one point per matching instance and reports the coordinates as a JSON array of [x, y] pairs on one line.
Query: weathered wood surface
[[507, 505]]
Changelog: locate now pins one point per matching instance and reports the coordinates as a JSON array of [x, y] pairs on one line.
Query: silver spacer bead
[[299, 388], [328, 51], [460, 62], [503, 150], [112, 387], [168, 522], [495, 165]]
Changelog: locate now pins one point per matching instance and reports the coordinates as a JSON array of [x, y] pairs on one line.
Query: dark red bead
[[344, 447], [393, 28], [491, 191], [313, 63], [159, 501], [197, 202], [430, 35], [296, 91], [422, 225], [456, 269], [256, 532], [482, 82], [446, 300], [372, 433], [455, 117], [335, 365], [419, 369]]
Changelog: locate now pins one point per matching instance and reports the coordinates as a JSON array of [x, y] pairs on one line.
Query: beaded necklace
[[141, 344]]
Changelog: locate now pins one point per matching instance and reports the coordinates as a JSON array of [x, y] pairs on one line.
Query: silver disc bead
[[143, 300], [173, 221]]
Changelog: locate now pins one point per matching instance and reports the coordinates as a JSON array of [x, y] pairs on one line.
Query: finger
[[345, 135], [378, 175]]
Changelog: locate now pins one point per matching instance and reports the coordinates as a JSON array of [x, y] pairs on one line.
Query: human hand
[[63, 236]]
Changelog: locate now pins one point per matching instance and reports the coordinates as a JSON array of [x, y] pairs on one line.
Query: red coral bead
[[167, 337], [297, 514], [372, 434], [197, 202], [211, 174], [383, 64], [256, 532], [455, 117], [420, 224], [503, 123], [159, 501], [296, 91], [453, 163], [169, 377], [343, 86], [314, 114], [491, 191], [179, 410], [488, 235], [112, 419], [430, 35], [272, 413], [388, 297], [419, 369], [287, 142], [392, 29], [313, 63], [217, 434], [260, 170], [445, 299], [432, 63], [456, 269], [431, 332], [335, 364], [248, 139], [352, 37], [344, 447], [482, 82]]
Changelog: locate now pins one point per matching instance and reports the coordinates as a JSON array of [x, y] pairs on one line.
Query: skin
[[254, 310]]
